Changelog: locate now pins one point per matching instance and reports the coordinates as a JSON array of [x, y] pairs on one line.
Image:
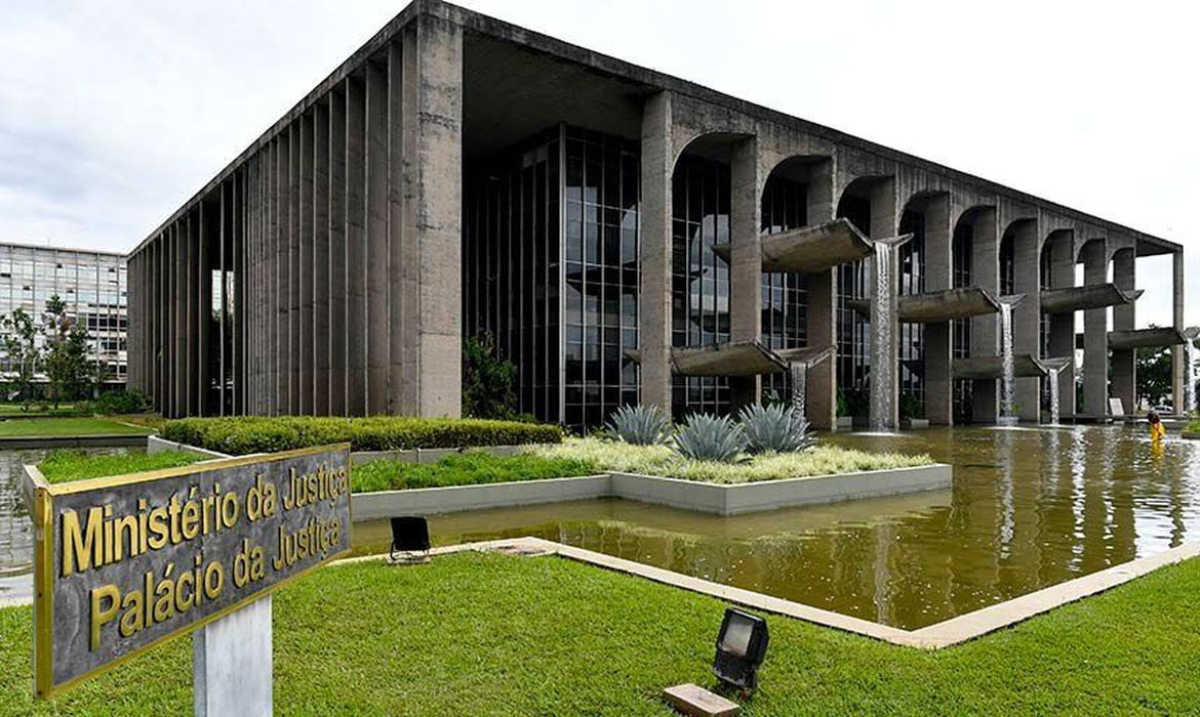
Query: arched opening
[[913, 274], [1057, 271], [700, 286], [785, 206], [858, 203], [969, 240]]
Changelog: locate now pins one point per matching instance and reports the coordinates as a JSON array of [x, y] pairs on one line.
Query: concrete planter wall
[[420, 501], [674, 492], [688, 495], [1190, 436], [154, 445]]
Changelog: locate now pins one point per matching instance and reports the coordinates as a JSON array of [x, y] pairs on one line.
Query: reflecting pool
[[1028, 508]]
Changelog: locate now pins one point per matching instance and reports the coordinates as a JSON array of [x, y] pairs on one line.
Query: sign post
[[124, 563]]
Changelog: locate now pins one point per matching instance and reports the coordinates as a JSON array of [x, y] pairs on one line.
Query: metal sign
[[126, 562]]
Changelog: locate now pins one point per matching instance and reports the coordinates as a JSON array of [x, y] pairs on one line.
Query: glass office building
[[91, 283]]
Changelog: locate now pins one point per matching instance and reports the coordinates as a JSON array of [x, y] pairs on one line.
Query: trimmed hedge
[[239, 435]]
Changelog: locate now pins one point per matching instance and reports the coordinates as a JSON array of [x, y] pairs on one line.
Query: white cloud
[[113, 114]]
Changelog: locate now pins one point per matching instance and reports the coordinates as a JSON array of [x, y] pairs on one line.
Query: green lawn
[[66, 427], [495, 635], [63, 466], [471, 468]]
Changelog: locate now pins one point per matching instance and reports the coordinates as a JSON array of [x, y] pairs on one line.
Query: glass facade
[[853, 329], [92, 284], [912, 336], [566, 324], [960, 329], [784, 296], [700, 279]]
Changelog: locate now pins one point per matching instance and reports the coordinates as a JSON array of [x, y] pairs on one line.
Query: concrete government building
[[624, 236], [91, 283]]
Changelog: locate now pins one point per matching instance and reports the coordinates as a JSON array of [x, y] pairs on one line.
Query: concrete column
[[320, 261], [939, 384], [402, 393], [1177, 352], [209, 237], [431, 235], [985, 330], [1062, 326], [337, 253], [654, 301], [282, 290], [821, 316], [225, 210], [356, 255], [1027, 314], [1095, 332], [295, 348], [885, 221], [305, 385], [178, 360], [1124, 362], [378, 310], [191, 320], [745, 264]]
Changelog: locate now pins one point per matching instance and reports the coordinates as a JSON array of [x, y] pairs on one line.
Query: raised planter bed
[[1190, 435], [715, 498], [112, 440]]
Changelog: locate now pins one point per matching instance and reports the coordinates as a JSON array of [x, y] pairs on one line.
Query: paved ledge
[[718, 499], [154, 445], [385, 504], [97, 441], [1190, 436], [934, 637]]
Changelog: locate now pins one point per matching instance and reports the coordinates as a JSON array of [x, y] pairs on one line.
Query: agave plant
[[709, 438], [774, 427], [640, 425]]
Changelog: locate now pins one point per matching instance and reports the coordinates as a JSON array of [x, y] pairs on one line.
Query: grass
[[484, 634], [64, 466], [1193, 427], [472, 468], [621, 457], [66, 427]]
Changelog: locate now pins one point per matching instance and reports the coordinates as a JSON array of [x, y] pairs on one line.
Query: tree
[[67, 366], [1154, 374], [22, 353], [489, 383]]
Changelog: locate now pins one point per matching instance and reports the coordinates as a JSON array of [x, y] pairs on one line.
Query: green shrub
[[640, 425], [64, 466], [775, 427], [113, 403], [618, 457], [710, 438], [240, 435], [470, 468]]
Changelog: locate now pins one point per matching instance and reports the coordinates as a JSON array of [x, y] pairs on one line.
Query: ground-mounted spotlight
[[741, 647], [410, 540]]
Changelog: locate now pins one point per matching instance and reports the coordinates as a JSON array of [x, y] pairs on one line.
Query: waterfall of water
[[1054, 398], [882, 333], [1006, 352], [799, 376], [1191, 373]]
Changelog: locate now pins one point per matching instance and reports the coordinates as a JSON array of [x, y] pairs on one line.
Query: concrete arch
[[715, 145]]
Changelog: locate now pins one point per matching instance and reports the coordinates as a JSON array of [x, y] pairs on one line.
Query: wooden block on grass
[[696, 701]]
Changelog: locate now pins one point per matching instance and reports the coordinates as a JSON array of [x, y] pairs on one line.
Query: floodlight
[[741, 646], [410, 539]]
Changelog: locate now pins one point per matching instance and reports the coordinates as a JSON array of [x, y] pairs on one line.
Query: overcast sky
[[113, 114]]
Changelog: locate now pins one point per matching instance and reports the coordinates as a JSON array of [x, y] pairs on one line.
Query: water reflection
[[16, 536], [1028, 509]]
